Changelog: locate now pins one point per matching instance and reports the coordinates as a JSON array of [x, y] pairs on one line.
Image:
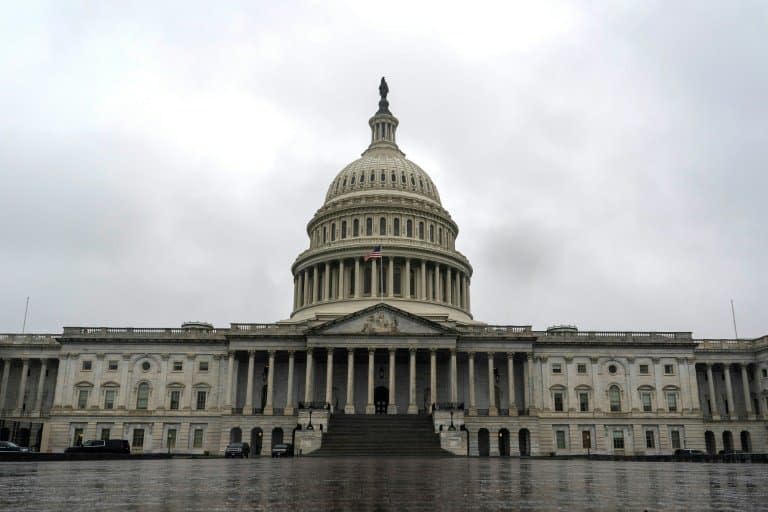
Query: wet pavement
[[320, 484]]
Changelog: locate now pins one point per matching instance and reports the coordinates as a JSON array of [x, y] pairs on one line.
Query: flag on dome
[[374, 254]]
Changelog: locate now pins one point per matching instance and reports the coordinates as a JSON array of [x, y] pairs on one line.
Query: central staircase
[[381, 435]]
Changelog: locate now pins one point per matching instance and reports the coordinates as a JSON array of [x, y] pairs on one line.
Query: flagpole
[[381, 274]]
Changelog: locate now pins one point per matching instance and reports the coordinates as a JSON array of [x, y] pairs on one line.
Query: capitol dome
[[382, 203]]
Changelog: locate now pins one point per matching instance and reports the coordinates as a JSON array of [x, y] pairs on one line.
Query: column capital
[[291, 353], [371, 351], [217, 357], [630, 359], [491, 353], [594, 360], [412, 350], [351, 350], [568, 359], [100, 355], [165, 357], [471, 354], [510, 355], [392, 350], [272, 352], [309, 351], [251, 352], [126, 357], [432, 350], [655, 359]]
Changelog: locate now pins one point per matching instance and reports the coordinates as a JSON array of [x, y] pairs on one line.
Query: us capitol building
[[382, 334]]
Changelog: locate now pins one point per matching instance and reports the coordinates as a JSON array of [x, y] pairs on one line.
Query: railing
[[267, 329], [314, 405], [725, 344], [665, 336], [493, 330], [448, 406], [164, 332], [27, 339]]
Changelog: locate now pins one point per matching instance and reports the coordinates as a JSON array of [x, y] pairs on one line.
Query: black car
[[237, 450], [688, 452], [282, 450], [7, 446], [101, 446]]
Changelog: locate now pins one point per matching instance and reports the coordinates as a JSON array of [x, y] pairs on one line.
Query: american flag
[[374, 254]]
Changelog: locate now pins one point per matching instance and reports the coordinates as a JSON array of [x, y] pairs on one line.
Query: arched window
[[394, 177], [142, 396], [356, 227], [402, 178], [369, 227], [396, 227], [325, 233], [383, 177], [421, 231], [409, 228], [431, 232], [440, 236], [614, 395], [373, 176], [343, 229], [344, 183], [333, 232], [383, 226], [352, 180]]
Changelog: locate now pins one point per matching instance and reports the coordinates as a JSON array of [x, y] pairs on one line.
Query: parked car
[[101, 446], [7, 446], [688, 452], [237, 450], [282, 450]]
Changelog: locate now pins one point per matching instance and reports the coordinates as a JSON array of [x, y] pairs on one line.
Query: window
[[105, 433], [382, 226], [558, 401], [644, 369], [145, 366], [409, 234], [201, 400], [645, 397], [112, 365], [583, 401], [421, 231], [581, 368], [82, 398], [675, 435], [356, 227], [618, 439], [87, 365], [396, 227], [203, 366], [560, 438], [175, 399], [615, 398], [178, 366], [369, 227], [325, 234], [586, 439], [672, 402], [431, 233], [765, 372], [440, 236], [77, 437], [343, 229], [669, 369], [138, 438], [650, 442], [556, 368], [142, 396], [333, 232], [109, 398], [197, 440], [612, 369]]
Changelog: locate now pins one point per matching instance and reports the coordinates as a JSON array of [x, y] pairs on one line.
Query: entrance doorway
[[381, 399], [256, 436], [524, 439], [746, 441], [483, 443], [727, 441], [504, 442], [709, 439]]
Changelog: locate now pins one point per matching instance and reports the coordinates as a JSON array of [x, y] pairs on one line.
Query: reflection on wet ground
[[381, 484]]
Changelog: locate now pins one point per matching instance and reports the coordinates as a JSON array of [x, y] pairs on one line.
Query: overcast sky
[[606, 166]]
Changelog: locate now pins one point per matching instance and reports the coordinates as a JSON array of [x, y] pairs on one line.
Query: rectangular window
[[77, 437], [105, 434], [618, 439], [650, 442], [558, 402], [583, 402], [138, 438], [669, 369], [170, 441], [201, 400], [560, 437], [644, 369], [646, 398], [202, 366], [112, 365], [175, 399], [556, 368], [672, 402], [87, 365], [109, 398], [197, 440], [675, 435], [586, 439], [765, 372], [581, 368], [82, 399], [178, 366]]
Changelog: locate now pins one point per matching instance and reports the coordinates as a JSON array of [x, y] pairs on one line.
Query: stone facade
[[392, 334]]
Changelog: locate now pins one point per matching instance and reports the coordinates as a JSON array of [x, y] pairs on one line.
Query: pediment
[[381, 320]]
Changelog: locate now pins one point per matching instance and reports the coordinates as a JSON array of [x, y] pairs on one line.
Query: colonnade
[[728, 411], [388, 277], [14, 405]]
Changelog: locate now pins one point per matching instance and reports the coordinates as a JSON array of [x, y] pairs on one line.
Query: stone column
[[358, 283], [693, 384], [124, 382], [269, 406], [370, 408], [327, 282], [713, 409], [454, 384], [162, 384], [747, 394], [438, 294], [511, 383], [423, 280], [595, 386], [392, 406], [59, 386], [230, 376], [189, 368], [472, 400], [390, 277], [448, 285], [288, 411], [492, 409], [295, 290], [685, 393], [729, 391], [329, 376], [308, 394], [527, 382], [4, 386], [305, 278], [469, 302], [657, 383], [342, 290], [375, 278], [349, 407], [631, 385], [40, 385], [433, 376], [412, 407], [248, 408], [407, 284], [23, 383], [315, 284]]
